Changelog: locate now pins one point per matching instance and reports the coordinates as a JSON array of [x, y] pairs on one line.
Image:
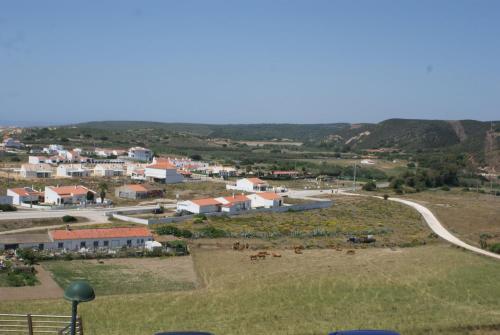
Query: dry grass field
[[130, 275], [425, 290], [466, 214]]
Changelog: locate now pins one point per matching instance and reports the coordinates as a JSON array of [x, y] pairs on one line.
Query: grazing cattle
[[261, 256], [253, 257], [247, 245], [350, 252], [298, 251], [276, 254], [236, 245]]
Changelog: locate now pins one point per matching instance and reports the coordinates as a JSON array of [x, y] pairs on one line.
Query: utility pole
[[354, 176]]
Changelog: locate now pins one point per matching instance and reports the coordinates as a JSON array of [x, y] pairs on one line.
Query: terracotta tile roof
[[256, 181], [162, 165], [25, 191], [136, 187], [237, 198], [269, 195], [100, 233], [70, 190], [206, 202]]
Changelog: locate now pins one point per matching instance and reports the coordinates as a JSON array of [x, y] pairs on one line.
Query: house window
[[129, 243], [40, 246], [96, 244], [60, 245], [138, 240], [82, 244], [106, 243]]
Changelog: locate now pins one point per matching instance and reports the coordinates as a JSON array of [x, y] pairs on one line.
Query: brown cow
[[298, 251], [350, 252], [262, 256], [253, 257], [276, 254]]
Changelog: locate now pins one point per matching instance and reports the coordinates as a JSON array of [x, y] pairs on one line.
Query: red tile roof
[[269, 195], [25, 191], [206, 202], [162, 166], [100, 233], [237, 198], [70, 190], [256, 181]]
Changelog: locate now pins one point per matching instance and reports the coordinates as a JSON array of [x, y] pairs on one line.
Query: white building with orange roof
[[249, 185], [200, 206], [163, 172], [76, 194], [265, 200], [235, 203], [25, 195]]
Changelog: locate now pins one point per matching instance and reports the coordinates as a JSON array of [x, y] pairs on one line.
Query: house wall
[[18, 199], [258, 201], [113, 243], [170, 176], [6, 200]]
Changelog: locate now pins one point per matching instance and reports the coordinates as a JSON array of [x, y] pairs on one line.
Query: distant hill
[[475, 138]]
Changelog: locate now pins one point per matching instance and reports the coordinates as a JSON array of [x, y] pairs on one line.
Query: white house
[[38, 159], [53, 149], [163, 172], [25, 195], [140, 154], [249, 185], [41, 170], [235, 203], [76, 194], [73, 155], [101, 238], [200, 206], [265, 200], [108, 170], [72, 170]]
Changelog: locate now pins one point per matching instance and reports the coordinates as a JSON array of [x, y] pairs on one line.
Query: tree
[[103, 188], [370, 186], [90, 196]]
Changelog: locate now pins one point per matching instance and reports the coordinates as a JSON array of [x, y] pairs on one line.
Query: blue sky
[[249, 61]]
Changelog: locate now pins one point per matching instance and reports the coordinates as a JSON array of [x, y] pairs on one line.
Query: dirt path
[[47, 289]]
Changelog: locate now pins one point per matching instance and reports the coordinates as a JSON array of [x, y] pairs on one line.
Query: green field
[[118, 276], [426, 290]]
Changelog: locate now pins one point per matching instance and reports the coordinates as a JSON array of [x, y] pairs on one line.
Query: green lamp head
[[79, 291]]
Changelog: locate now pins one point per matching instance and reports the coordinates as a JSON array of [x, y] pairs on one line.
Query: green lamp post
[[78, 291]]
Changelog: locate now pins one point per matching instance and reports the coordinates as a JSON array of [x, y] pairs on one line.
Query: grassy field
[[466, 214], [390, 222], [426, 290], [134, 275]]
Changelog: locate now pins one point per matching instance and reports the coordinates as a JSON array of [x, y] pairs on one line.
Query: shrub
[[370, 186], [69, 218], [445, 188], [172, 230], [386, 196], [7, 208], [212, 232], [201, 217], [495, 248], [29, 256]]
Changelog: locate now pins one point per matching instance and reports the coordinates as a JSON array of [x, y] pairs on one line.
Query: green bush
[[370, 186], [7, 208], [495, 248], [29, 256], [445, 188], [69, 218], [212, 232], [386, 196], [172, 230], [202, 217]]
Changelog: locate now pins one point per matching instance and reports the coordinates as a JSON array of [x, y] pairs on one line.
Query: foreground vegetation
[[426, 290]]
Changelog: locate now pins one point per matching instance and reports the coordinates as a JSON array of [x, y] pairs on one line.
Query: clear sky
[[249, 61]]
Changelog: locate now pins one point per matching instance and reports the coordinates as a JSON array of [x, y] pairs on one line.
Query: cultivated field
[[426, 290]]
